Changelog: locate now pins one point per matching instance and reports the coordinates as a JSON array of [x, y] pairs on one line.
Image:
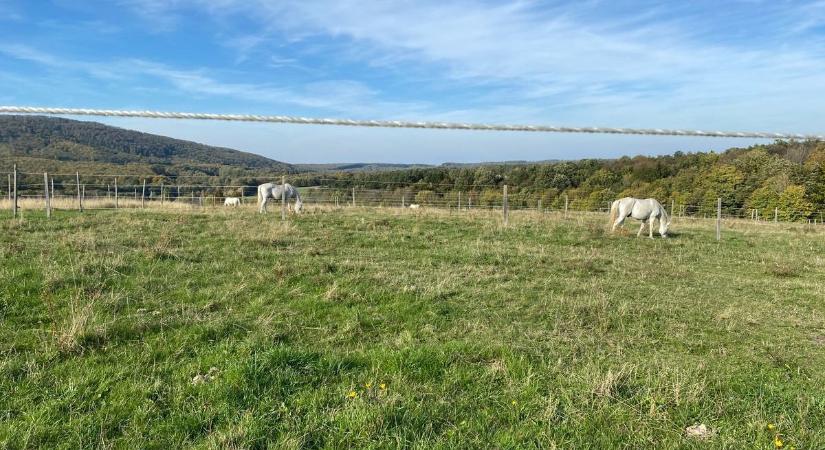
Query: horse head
[[663, 226]]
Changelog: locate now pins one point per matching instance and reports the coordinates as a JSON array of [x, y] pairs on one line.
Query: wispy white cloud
[[336, 96], [586, 61]]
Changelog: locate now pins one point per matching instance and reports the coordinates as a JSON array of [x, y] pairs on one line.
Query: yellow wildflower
[[777, 442], [352, 394], [514, 403], [771, 426], [368, 385], [382, 386]]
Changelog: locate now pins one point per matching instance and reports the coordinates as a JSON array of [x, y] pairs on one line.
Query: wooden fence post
[[14, 199], [505, 207], [283, 197], [161, 194], [775, 214], [353, 197], [538, 206], [51, 180], [79, 195], [718, 219], [46, 192], [565, 205], [116, 196], [459, 200], [82, 193], [403, 200], [143, 195]]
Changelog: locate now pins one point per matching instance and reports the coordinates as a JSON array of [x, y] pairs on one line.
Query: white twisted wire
[[401, 124]]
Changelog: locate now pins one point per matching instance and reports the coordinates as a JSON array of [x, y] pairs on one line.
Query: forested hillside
[[789, 176], [54, 144]]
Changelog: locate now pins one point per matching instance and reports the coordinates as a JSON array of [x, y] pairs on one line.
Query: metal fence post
[[283, 197], [116, 203], [143, 195], [14, 199], [505, 207], [46, 192], [79, 194], [718, 219]]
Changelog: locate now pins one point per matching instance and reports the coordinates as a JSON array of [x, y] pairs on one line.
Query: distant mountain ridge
[[383, 167], [357, 167], [49, 143]]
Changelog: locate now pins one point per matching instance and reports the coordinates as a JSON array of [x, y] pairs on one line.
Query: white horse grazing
[[274, 191], [644, 210], [232, 201], [415, 206]]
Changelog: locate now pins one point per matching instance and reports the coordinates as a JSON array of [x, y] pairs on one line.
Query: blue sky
[[733, 65]]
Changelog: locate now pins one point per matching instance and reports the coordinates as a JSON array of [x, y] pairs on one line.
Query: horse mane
[[664, 213]]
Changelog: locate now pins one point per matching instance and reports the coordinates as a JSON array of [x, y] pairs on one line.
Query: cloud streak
[[670, 65], [634, 64]]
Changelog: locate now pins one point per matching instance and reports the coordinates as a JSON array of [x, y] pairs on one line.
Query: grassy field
[[383, 328]]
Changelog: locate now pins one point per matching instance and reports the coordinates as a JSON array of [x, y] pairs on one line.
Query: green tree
[[792, 204]]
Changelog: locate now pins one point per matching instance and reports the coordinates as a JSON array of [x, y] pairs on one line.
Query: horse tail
[[614, 211]]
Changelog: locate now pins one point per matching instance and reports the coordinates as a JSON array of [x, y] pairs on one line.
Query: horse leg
[[617, 223], [641, 228], [650, 226]]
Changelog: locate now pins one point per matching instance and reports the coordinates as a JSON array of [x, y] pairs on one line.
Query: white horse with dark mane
[[648, 210], [275, 191]]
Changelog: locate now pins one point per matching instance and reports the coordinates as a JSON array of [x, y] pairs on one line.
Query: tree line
[[784, 175]]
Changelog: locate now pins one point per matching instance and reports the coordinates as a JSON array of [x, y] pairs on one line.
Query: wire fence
[[93, 193]]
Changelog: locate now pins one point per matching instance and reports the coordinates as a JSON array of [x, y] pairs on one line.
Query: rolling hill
[[37, 143]]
